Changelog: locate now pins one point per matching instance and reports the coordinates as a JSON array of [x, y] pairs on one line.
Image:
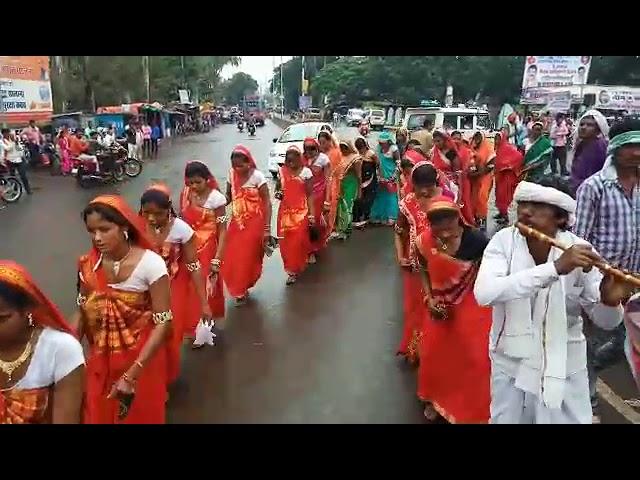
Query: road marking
[[618, 403]]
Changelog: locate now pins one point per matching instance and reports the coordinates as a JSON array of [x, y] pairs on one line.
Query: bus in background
[[254, 104]]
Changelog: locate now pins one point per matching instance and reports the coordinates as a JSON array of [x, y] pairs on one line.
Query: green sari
[[537, 159], [348, 193]]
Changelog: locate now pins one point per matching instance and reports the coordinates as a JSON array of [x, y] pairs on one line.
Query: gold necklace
[[116, 264], [9, 367]]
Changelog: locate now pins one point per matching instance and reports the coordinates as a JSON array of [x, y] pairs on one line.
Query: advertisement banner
[[304, 102], [555, 71], [542, 96], [184, 96], [558, 102], [25, 88], [618, 98]]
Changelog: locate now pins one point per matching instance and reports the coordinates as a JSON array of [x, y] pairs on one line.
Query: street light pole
[[281, 86]]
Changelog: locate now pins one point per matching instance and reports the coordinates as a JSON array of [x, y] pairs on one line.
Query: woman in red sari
[[480, 174], [203, 208], [453, 378], [320, 167], [508, 164], [412, 221], [250, 225], [453, 158], [295, 215], [125, 314], [42, 365]]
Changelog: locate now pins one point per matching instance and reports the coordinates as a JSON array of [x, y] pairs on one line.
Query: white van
[[466, 120]]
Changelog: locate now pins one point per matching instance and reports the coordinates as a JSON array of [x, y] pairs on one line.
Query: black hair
[[427, 122], [627, 124], [406, 163], [425, 176], [360, 141], [324, 134], [440, 215], [533, 67], [197, 169], [438, 133], [5, 130], [413, 141], [562, 186], [560, 115], [110, 214], [159, 198], [15, 297], [456, 132]]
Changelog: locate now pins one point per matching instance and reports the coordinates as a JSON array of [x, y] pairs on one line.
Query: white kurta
[[508, 274]]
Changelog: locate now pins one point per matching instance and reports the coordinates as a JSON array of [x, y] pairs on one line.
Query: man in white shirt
[[12, 155], [538, 293]]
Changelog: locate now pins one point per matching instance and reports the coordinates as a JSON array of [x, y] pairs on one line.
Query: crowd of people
[[495, 326]]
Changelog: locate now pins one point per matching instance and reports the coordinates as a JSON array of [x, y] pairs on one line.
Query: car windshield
[[297, 133], [482, 121], [416, 121], [377, 113]]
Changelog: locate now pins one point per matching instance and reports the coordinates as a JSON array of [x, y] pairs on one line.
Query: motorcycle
[[252, 129], [240, 127], [363, 129], [50, 157], [114, 165], [10, 187]]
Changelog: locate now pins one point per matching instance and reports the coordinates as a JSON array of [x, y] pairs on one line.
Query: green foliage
[[86, 82], [238, 86], [409, 79]]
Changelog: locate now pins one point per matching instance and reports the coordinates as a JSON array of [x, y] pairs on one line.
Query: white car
[[354, 117], [293, 135], [376, 119]]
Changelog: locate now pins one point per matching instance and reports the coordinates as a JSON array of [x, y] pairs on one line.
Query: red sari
[[481, 186], [117, 325], [30, 406], [454, 370], [414, 307], [205, 225], [244, 250], [461, 180], [335, 157], [293, 223], [507, 174], [319, 189]]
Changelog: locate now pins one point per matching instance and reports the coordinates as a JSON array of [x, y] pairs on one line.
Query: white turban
[[532, 192]]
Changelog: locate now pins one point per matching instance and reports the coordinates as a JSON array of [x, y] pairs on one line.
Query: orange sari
[[29, 406], [117, 324], [319, 196], [481, 186], [335, 157], [244, 246], [454, 358], [293, 223]]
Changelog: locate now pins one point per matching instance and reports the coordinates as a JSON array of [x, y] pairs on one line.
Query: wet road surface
[[320, 351]]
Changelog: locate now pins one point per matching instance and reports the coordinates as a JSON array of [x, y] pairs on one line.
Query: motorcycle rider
[[12, 156], [79, 148], [34, 141], [251, 123]]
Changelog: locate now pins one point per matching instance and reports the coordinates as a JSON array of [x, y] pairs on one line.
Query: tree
[[239, 85]]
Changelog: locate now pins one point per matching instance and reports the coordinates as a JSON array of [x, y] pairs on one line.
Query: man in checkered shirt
[[608, 217]]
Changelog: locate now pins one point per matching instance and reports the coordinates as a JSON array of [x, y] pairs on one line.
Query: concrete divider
[[281, 122]]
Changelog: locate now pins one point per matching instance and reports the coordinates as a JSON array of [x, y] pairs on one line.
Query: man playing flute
[[538, 292]]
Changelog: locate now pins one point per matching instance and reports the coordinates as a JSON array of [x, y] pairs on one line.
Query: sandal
[[291, 279]]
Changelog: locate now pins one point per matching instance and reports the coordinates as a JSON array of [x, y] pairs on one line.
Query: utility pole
[[145, 66], [281, 86]]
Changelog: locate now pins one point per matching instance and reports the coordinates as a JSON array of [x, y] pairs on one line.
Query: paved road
[[321, 351]]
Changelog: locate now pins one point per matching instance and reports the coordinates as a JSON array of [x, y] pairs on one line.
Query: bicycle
[[10, 187]]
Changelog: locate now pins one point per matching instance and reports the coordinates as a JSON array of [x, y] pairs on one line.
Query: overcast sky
[[259, 68]]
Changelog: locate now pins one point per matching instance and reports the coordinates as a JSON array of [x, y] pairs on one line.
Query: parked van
[[465, 120]]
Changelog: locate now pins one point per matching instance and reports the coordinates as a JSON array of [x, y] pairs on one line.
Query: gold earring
[[30, 319], [126, 235]]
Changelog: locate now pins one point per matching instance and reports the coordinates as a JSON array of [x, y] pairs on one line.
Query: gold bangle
[[193, 266], [128, 379], [160, 318], [80, 300], [139, 363]]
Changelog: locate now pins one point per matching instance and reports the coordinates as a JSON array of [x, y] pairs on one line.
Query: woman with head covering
[[589, 147], [41, 362], [320, 166], [329, 146], [125, 314], [369, 167], [480, 173], [453, 377], [538, 155], [452, 157], [402, 137], [345, 186], [385, 205], [412, 220], [508, 162], [296, 218], [249, 229]]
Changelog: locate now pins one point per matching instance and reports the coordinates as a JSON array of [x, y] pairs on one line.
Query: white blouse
[[55, 356], [180, 232], [149, 269]]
